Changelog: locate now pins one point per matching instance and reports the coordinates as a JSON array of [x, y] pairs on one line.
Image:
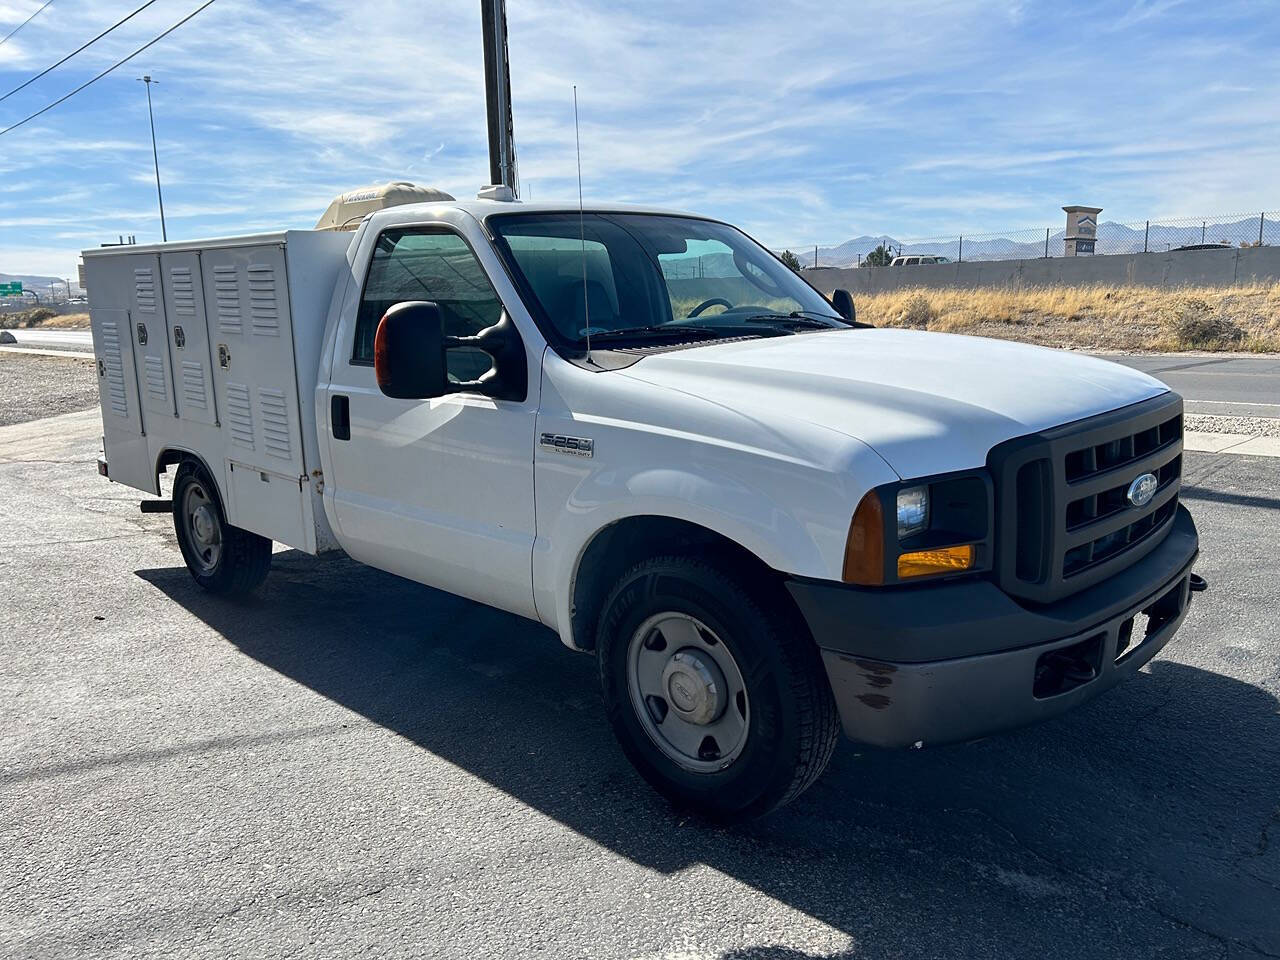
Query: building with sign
[[1082, 230]]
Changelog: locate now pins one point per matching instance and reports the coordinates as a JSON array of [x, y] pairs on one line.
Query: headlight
[[913, 511], [937, 527]]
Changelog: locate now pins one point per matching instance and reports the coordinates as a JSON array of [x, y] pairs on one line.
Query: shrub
[[26, 318], [918, 311], [1191, 322]]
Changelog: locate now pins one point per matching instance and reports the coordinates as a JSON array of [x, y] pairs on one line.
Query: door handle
[[340, 416]]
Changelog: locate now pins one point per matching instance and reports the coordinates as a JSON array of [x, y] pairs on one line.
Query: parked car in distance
[[1217, 245], [916, 260]]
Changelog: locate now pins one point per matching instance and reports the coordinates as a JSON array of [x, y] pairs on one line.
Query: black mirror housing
[[842, 300], [408, 352]]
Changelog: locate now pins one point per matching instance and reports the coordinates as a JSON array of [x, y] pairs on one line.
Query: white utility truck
[[766, 520]]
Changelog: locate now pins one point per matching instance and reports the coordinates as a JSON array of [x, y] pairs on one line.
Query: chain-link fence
[[1139, 236]]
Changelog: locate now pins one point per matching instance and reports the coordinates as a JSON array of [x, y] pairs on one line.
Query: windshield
[[644, 275]]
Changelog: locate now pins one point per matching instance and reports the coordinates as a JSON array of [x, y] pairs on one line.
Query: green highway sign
[[11, 289]]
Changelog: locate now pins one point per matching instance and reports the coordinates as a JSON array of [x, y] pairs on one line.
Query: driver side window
[[429, 264]]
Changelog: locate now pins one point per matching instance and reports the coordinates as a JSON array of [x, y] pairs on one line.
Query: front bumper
[[949, 662]]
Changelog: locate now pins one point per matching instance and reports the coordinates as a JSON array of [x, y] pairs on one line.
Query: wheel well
[[627, 542], [171, 456]]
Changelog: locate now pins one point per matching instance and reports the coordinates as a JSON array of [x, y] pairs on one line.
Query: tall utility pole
[[497, 91], [164, 234]]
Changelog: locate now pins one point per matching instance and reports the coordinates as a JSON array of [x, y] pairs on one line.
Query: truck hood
[[926, 402]]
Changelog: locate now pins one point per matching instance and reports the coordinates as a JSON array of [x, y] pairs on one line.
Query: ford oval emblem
[[1142, 489]]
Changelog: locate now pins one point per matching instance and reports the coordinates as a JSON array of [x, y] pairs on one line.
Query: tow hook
[[1198, 583]]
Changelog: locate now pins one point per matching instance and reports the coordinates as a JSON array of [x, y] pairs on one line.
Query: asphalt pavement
[[58, 338], [355, 764], [1218, 385]]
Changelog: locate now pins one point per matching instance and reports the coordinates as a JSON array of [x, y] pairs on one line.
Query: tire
[[223, 559], [767, 745]]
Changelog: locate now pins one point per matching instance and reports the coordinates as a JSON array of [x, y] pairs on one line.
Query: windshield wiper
[[795, 319], [661, 330]]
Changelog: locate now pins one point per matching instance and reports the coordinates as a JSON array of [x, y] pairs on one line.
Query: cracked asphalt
[[351, 764]]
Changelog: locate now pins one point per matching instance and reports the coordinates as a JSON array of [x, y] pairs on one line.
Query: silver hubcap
[[203, 529], [688, 692]]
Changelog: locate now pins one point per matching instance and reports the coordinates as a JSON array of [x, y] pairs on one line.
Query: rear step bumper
[[1064, 653]]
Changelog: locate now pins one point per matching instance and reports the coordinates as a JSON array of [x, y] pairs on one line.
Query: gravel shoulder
[[1253, 426], [35, 387]]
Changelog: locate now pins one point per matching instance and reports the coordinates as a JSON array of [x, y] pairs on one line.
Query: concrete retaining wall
[[1181, 268]]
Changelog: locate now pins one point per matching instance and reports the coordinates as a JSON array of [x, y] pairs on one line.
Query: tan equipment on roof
[[348, 209]]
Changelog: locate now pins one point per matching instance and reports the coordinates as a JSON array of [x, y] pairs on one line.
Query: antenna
[[582, 230]]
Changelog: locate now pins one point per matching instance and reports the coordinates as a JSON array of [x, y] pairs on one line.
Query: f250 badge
[[573, 446]]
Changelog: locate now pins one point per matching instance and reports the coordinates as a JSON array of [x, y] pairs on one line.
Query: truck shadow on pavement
[[1143, 824]]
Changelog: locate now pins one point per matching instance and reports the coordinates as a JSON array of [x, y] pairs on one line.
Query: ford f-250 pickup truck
[[767, 521]]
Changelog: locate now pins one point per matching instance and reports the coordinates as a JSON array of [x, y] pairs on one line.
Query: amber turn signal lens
[[922, 563], [864, 550]]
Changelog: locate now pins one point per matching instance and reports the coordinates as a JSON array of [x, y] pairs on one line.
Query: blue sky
[[804, 122]]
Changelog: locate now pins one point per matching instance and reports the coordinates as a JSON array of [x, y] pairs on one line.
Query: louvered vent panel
[[184, 291], [194, 393], [263, 309], [240, 415], [155, 379], [115, 368], [226, 290], [275, 423], [144, 289]]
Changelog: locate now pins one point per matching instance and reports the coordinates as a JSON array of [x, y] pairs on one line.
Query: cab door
[[441, 490]]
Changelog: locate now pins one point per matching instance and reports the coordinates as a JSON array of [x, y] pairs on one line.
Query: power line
[[24, 23], [43, 73], [114, 66]]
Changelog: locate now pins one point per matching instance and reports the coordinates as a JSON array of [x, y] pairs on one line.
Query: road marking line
[[1233, 403]]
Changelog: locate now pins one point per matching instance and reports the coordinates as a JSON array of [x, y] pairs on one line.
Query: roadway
[[54, 338], [1224, 385]]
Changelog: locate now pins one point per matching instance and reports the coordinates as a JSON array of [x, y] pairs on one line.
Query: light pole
[[164, 234]]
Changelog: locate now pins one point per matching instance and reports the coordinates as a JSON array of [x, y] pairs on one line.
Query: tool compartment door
[[189, 336], [122, 429], [150, 335], [254, 375]]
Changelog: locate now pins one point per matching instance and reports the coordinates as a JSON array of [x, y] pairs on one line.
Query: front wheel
[[222, 558], [715, 695]]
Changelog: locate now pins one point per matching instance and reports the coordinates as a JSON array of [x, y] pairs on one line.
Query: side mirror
[[842, 300], [410, 350]]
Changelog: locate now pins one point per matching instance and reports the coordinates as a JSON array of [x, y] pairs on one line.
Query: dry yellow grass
[[68, 320], [1092, 318]]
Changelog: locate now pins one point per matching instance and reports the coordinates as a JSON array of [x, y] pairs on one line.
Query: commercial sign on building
[[1082, 230]]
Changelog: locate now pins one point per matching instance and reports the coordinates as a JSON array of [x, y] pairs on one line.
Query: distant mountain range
[[1113, 238]]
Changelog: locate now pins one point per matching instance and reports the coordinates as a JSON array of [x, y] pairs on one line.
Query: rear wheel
[[715, 693], [222, 558]]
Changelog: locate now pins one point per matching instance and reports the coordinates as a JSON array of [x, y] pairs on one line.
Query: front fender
[[794, 519]]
